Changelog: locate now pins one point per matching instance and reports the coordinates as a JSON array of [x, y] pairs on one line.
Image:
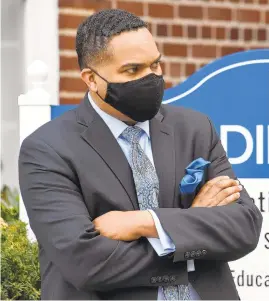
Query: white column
[[41, 41], [11, 66], [34, 111]]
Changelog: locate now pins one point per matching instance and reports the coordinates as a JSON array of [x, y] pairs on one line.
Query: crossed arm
[[222, 220], [63, 227], [90, 261]]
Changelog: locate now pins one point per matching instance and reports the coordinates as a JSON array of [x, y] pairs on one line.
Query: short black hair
[[94, 34]]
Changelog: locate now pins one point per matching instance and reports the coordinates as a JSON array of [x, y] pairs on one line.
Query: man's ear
[[88, 76]]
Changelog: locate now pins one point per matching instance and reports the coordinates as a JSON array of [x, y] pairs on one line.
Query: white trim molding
[[213, 74]]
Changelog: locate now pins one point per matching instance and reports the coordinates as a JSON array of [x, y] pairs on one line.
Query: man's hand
[[218, 192], [126, 225]]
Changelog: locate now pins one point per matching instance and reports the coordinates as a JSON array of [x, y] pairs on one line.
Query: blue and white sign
[[234, 92]]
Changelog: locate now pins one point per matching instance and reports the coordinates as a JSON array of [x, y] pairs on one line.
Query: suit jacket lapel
[[163, 149], [100, 138]]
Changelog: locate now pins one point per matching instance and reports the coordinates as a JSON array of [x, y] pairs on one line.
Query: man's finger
[[210, 183], [219, 186], [223, 194], [230, 199]]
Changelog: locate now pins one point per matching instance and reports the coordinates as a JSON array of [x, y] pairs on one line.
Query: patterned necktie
[[147, 190]]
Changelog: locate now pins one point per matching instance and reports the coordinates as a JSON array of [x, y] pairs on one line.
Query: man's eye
[[132, 70], [155, 65]]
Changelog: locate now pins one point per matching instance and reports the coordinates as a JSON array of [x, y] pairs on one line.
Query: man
[[101, 183]]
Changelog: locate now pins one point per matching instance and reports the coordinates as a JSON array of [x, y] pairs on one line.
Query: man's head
[[118, 46]]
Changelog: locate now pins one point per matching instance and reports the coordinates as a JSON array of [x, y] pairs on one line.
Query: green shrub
[[10, 197], [9, 204], [20, 271], [9, 214]]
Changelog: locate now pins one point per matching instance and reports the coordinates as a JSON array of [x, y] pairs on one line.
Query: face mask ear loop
[[98, 74], [102, 79], [100, 96]]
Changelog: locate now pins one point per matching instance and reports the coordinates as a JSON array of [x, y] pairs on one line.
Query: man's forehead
[[133, 47]]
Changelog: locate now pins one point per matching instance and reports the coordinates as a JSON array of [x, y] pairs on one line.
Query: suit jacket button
[[193, 254], [187, 255], [204, 252], [153, 279], [198, 253], [159, 279], [166, 278], [173, 279]]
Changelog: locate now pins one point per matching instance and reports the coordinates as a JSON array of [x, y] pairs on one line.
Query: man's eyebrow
[[140, 64]]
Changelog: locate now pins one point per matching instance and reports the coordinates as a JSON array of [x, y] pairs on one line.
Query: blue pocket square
[[194, 175]]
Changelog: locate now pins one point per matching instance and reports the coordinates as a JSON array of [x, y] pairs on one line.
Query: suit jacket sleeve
[[62, 225], [219, 233]]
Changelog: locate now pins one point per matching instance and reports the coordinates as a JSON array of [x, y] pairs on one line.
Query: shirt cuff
[[190, 265], [164, 244]]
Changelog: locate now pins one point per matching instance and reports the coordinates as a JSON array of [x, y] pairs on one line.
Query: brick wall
[[189, 33]]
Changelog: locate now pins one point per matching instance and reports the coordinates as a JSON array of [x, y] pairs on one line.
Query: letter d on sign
[[224, 129]]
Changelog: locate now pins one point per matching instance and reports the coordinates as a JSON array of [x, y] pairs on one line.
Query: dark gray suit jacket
[[72, 170]]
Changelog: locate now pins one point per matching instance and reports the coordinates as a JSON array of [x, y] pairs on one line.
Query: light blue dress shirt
[[162, 245]]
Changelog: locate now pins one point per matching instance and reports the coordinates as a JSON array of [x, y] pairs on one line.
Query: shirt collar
[[115, 125]]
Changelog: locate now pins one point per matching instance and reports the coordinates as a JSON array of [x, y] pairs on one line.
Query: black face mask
[[138, 99]]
